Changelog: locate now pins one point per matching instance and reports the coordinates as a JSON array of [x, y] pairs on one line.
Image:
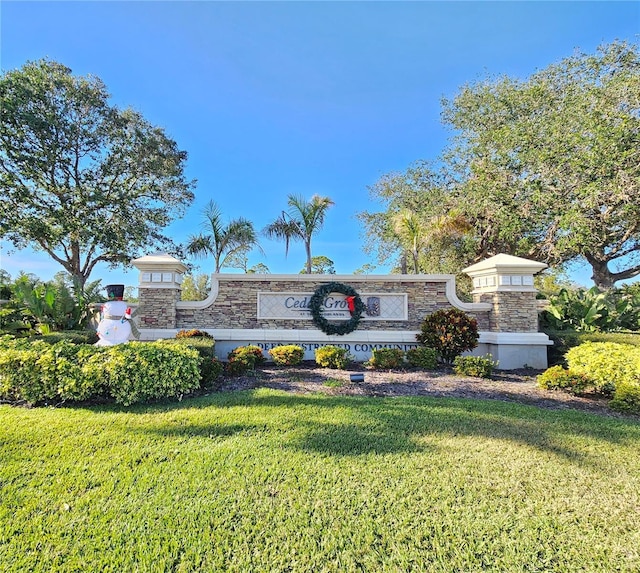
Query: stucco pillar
[[159, 289]]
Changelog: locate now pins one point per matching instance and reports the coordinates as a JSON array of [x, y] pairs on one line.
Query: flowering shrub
[[558, 378], [386, 358], [479, 366], [422, 357], [450, 332], [332, 357], [287, 355]]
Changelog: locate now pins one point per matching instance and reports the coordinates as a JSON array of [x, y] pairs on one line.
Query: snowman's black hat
[[115, 292]]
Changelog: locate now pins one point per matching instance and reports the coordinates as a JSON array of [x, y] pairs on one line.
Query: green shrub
[[607, 364], [73, 336], [60, 369], [479, 366], [626, 398], [451, 332], [19, 380], [386, 358], [559, 378], [142, 371], [210, 366], [210, 371], [422, 357], [243, 359], [332, 357], [34, 371], [287, 355]]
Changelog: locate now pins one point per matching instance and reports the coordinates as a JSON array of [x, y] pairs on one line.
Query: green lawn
[[268, 481]]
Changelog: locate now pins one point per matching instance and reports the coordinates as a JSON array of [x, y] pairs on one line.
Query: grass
[[269, 481]]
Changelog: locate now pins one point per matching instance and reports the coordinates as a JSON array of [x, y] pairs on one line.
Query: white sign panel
[[295, 306]]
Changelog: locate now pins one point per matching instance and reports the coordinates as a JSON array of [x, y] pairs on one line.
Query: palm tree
[[300, 222], [416, 235], [221, 241]]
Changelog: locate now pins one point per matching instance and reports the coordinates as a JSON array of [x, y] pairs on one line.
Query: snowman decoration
[[114, 326]]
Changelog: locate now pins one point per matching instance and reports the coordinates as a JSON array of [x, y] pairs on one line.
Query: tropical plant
[[219, 240], [594, 309], [302, 220], [450, 332]]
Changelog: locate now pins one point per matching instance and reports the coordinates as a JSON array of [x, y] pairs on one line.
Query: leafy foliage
[[331, 356], [204, 344], [593, 309], [223, 242], [193, 333], [559, 378], [320, 265], [548, 165], [243, 359], [36, 372], [450, 332], [607, 364], [478, 366], [422, 357], [42, 307], [82, 180], [302, 220], [627, 398], [195, 287], [287, 355], [543, 167], [386, 359]]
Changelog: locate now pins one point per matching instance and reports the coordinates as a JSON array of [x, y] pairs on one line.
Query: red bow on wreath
[[351, 303]]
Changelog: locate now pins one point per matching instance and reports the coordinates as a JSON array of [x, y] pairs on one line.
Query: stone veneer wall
[[159, 307], [236, 304], [512, 311]]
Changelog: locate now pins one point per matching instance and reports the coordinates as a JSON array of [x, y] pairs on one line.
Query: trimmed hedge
[[563, 340], [287, 354], [478, 366], [244, 359], [422, 357], [210, 367], [386, 359], [557, 378], [35, 372], [331, 356], [607, 364]]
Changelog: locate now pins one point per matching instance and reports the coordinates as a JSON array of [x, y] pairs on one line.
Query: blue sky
[[278, 98]]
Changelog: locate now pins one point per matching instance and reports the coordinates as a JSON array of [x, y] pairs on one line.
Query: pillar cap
[[505, 264], [159, 262]]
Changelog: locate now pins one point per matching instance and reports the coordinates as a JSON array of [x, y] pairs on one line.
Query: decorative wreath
[[355, 305]]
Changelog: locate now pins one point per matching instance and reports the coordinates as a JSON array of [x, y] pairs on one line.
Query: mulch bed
[[506, 385]]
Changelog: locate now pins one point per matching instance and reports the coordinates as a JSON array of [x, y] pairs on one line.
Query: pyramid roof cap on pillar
[[505, 264], [159, 262]]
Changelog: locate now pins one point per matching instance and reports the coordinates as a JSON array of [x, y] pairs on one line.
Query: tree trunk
[[602, 277], [307, 245]]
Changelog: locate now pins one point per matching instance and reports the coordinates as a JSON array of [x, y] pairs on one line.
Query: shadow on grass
[[353, 426]]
